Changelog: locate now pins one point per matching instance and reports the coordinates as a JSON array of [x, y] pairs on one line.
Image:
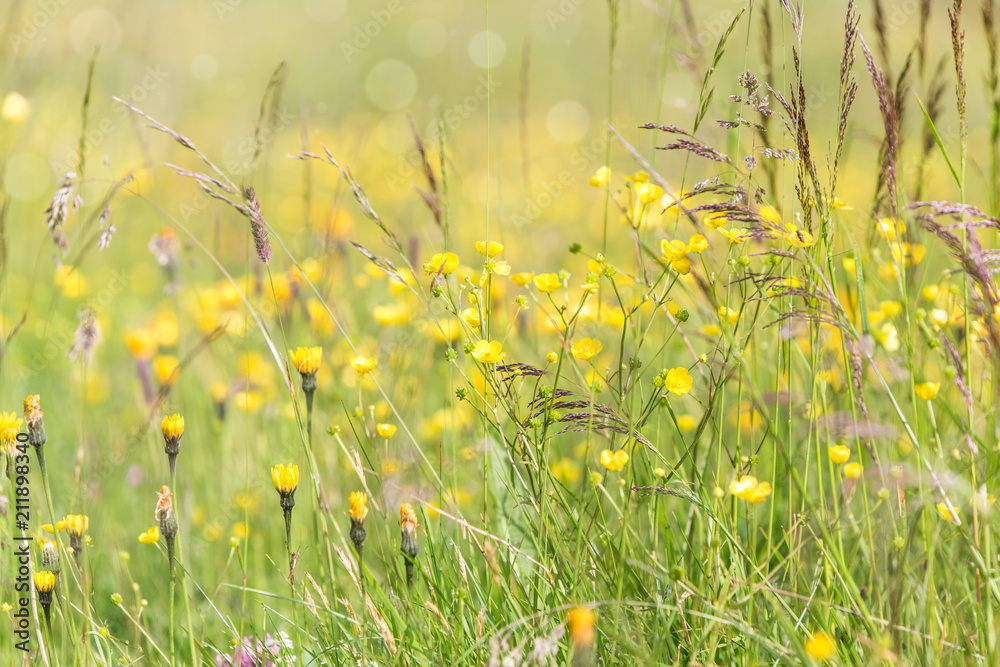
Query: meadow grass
[[736, 409]]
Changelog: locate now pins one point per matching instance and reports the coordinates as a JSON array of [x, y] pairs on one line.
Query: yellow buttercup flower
[[735, 235], [285, 478], [927, 391], [853, 470], [363, 365], [678, 381], [521, 279], [491, 249], [600, 177], [586, 349], [386, 430], [799, 238], [445, 263], [306, 359], [749, 489], [488, 351], [552, 357], [675, 252], [839, 454], [547, 282], [614, 461], [151, 536], [942, 509], [820, 646], [471, 317]]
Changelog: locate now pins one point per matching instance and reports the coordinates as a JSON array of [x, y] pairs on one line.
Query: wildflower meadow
[[543, 332]]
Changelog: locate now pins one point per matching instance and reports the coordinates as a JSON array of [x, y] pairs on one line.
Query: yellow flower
[[678, 381], [942, 509], [359, 506], [471, 317], [887, 336], [586, 349], [363, 365], [164, 366], [172, 427], [77, 524], [849, 265], [10, 426], [716, 222], [45, 581], [552, 357], [839, 454], [547, 282], [386, 430], [890, 228], [749, 489], [581, 626], [285, 478], [908, 254], [151, 536], [614, 461], [491, 249], [931, 292], [675, 252], [220, 392], [407, 518], [853, 470], [488, 351], [247, 401], [770, 214], [600, 177], [735, 235], [799, 238], [306, 359], [142, 343], [521, 279], [392, 315], [686, 422], [927, 391], [445, 263], [819, 646]]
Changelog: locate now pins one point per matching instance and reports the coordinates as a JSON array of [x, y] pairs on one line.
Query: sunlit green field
[[621, 332]]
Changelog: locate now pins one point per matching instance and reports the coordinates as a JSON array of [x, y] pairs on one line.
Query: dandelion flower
[[586, 349], [10, 426], [286, 480], [363, 365], [306, 360], [408, 538], [358, 512]]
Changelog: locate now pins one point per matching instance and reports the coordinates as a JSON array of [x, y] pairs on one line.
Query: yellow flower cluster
[[676, 252], [749, 489]]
